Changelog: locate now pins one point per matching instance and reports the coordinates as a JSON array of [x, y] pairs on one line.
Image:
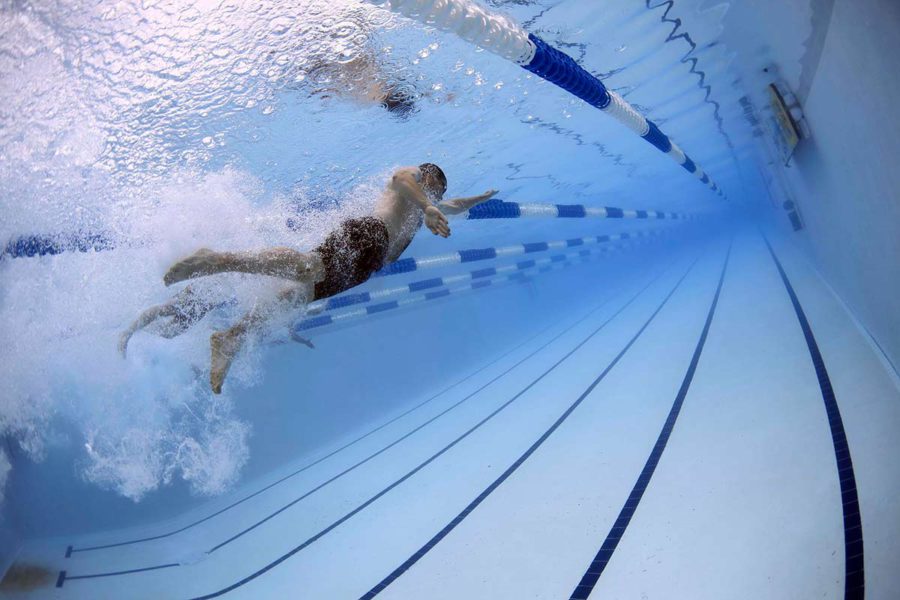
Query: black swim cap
[[399, 102], [435, 171]]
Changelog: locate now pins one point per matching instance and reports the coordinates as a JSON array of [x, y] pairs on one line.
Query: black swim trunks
[[351, 254]]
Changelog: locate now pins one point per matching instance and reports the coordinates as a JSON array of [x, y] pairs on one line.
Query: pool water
[[572, 403]]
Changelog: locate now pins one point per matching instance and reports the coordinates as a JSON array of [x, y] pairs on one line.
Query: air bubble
[[344, 29]]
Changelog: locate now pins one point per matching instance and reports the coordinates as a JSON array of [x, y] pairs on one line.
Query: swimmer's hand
[[436, 222], [487, 195]]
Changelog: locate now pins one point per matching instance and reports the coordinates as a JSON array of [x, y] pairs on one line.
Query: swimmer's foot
[[202, 262], [224, 346], [302, 340]]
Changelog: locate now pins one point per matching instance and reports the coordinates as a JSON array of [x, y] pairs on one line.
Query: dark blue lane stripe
[[438, 294], [396, 573], [425, 284], [309, 323], [854, 568], [404, 265], [477, 254], [601, 559], [490, 271], [434, 457], [347, 300], [377, 308], [63, 577], [535, 247], [571, 211], [71, 549]]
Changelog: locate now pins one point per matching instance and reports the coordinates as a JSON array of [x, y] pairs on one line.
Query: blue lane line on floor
[[854, 569], [393, 576], [422, 465], [71, 549], [540, 349], [601, 559], [63, 577]]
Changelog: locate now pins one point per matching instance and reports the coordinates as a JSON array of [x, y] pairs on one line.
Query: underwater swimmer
[[347, 257], [370, 79], [364, 80]]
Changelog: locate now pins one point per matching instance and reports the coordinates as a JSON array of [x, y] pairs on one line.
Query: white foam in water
[[108, 124], [198, 441], [150, 418]]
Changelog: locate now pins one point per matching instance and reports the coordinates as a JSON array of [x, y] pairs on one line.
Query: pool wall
[[844, 179]]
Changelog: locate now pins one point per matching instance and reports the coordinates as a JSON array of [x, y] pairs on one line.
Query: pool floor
[[678, 441]]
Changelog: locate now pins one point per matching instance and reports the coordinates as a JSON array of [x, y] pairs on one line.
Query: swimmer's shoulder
[[413, 172]]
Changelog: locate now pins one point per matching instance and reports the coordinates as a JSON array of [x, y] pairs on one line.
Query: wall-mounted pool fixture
[[787, 119]]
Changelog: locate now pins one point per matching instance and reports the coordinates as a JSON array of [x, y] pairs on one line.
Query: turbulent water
[[167, 127], [117, 118]]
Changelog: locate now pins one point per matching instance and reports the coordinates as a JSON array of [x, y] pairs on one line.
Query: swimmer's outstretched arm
[[456, 206]]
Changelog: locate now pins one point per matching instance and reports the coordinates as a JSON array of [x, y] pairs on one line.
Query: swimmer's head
[[434, 181], [398, 102]]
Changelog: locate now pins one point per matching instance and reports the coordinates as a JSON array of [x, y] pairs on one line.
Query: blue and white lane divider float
[[504, 37], [408, 265], [356, 298], [509, 273], [27, 246], [500, 209]]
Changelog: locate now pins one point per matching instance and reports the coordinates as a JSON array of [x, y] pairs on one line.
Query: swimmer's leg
[[191, 310], [148, 316], [179, 324], [224, 345], [276, 262], [185, 303]]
